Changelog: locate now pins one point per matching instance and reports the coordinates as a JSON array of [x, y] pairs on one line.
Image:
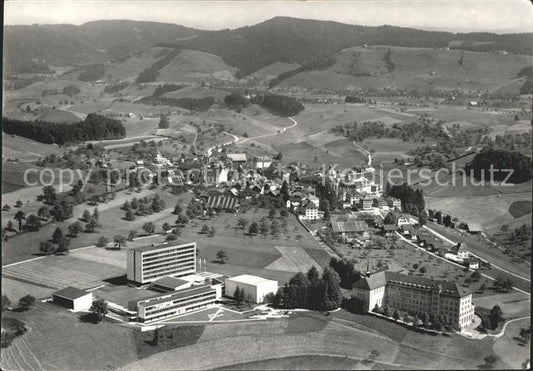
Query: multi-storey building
[[417, 295], [176, 302], [148, 263]]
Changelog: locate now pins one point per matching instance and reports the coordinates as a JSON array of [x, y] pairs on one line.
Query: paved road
[[491, 263], [523, 286]]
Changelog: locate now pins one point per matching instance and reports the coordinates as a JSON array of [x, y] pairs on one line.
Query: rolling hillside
[[419, 69], [281, 39]]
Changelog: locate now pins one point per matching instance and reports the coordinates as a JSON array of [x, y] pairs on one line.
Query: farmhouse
[[388, 230], [73, 298], [255, 288], [403, 220], [146, 264], [417, 295], [237, 157], [349, 228], [474, 228]]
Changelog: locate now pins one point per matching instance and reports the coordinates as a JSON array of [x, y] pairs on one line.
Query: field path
[[236, 139]]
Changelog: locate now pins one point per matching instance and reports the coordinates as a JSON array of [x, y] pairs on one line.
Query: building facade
[[255, 288], [149, 263], [417, 295], [176, 302]]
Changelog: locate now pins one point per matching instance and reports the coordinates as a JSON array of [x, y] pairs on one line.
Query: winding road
[[236, 139]]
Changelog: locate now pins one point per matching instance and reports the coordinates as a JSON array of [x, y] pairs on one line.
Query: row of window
[[155, 256], [162, 267], [159, 252], [169, 272], [171, 258], [204, 299]]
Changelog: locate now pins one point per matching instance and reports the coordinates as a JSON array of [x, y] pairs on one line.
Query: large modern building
[[417, 295], [174, 303], [149, 263], [255, 288]]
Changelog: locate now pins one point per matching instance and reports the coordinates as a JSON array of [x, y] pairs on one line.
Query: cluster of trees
[[521, 234], [208, 230], [32, 222], [60, 208], [354, 99], [193, 104], [503, 284], [236, 101], [163, 122], [501, 161], [412, 199], [150, 74], [92, 72], [389, 64], [70, 90], [94, 127], [166, 88], [282, 104], [116, 87], [310, 291], [327, 197], [414, 131], [490, 321], [346, 270], [143, 206]]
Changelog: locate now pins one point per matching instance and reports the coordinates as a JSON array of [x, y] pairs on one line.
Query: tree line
[[282, 104], [411, 198], [150, 74], [94, 127], [92, 72], [311, 291], [501, 161], [193, 104]]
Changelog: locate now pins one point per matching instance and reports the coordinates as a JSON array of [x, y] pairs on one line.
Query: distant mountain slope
[[292, 40], [93, 42], [281, 39]]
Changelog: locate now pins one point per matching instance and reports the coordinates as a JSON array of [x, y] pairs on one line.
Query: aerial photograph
[[266, 185]]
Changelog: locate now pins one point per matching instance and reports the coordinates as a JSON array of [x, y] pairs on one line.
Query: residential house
[[394, 203], [366, 203], [388, 230], [403, 220], [309, 211], [474, 228]]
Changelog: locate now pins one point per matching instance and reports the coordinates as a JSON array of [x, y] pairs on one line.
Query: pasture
[[270, 256]]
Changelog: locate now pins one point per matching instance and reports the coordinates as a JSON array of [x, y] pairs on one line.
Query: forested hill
[[248, 48], [303, 41], [93, 42]]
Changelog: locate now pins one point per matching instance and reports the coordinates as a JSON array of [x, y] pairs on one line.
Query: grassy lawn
[[166, 338], [54, 330]]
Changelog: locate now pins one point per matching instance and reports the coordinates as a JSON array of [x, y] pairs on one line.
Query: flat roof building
[[73, 298], [149, 263], [174, 303], [255, 288]]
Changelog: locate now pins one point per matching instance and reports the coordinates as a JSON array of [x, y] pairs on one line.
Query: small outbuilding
[[255, 288], [73, 298]]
